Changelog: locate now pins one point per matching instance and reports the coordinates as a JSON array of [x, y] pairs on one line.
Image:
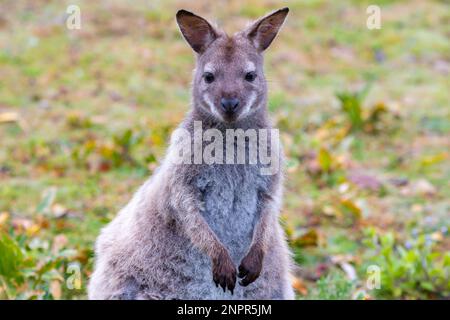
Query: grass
[[93, 110]]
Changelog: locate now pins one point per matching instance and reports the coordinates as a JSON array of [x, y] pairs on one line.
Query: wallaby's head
[[229, 81]]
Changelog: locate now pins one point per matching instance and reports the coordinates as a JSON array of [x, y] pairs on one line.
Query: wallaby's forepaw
[[224, 272], [251, 266]]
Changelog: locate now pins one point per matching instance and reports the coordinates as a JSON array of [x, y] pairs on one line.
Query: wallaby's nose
[[229, 105]]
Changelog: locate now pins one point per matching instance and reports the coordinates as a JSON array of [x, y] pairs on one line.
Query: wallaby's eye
[[209, 77], [250, 76]]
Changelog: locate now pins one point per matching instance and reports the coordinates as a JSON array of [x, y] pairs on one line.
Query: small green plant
[[351, 104], [333, 286], [415, 269], [12, 259], [109, 154], [27, 263], [325, 167], [367, 120]]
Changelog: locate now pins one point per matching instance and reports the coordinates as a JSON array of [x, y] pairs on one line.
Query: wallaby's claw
[[242, 271], [250, 267], [247, 276], [224, 272]]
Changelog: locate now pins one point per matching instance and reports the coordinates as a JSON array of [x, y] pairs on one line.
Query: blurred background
[[85, 116]]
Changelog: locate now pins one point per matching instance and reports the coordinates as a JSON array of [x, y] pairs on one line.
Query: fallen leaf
[[330, 211], [437, 236], [365, 181], [59, 242], [352, 207], [399, 182], [9, 117], [434, 159], [299, 286], [344, 187], [59, 210], [55, 289], [423, 187], [349, 270], [340, 258], [4, 216], [309, 238], [325, 159], [20, 225], [33, 230]]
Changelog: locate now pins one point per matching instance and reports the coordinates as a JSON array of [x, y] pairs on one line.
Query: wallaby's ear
[[264, 30], [196, 30]]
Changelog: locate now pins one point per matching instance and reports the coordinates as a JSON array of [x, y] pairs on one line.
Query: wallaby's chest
[[230, 196]]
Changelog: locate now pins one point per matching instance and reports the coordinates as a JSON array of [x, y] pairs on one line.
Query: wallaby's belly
[[230, 202], [165, 266]]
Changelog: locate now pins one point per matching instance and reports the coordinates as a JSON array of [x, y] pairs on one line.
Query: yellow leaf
[[437, 236], [329, 211], [310, 238], [434, 159], [55, 289], [9, 117], [4, 216], [33, 230], [299, 286], [352, 207], [324, 159]]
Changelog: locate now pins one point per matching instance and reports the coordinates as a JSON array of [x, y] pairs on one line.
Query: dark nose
[[229, 105]]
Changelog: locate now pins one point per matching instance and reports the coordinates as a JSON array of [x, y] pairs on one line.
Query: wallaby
[[195, 226]]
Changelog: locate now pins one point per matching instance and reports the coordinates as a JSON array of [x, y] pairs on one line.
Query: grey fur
[[188, 221]]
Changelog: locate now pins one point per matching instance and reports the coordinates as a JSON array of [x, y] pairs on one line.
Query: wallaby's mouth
[[230, 116]]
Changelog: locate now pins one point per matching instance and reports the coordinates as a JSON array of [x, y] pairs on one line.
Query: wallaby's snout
[[229, 81], [229, 105]]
